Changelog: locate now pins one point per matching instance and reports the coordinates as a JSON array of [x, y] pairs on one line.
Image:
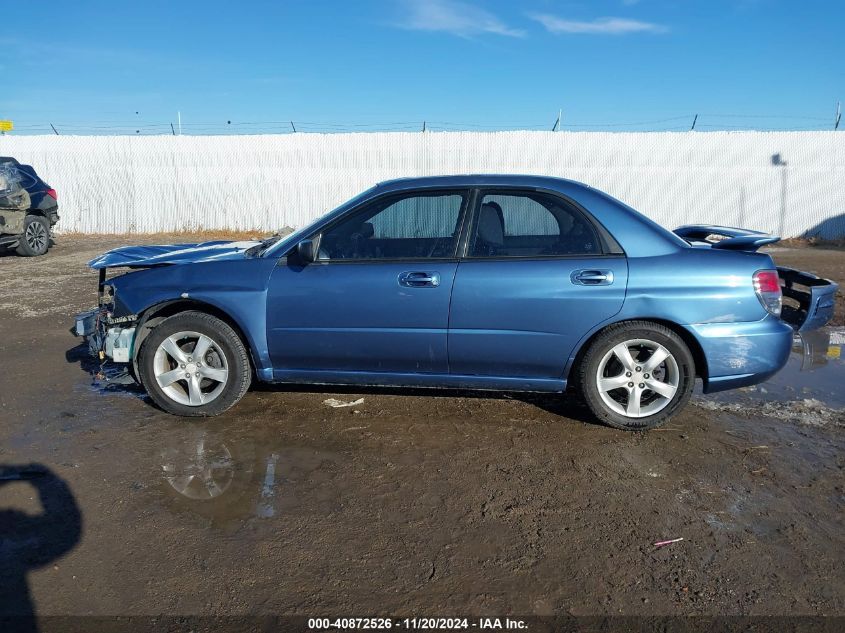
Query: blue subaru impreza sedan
[[505, 283]]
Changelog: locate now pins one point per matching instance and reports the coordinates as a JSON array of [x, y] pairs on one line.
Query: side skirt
[[435, 381]]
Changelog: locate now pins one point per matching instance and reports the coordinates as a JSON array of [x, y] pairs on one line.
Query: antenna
[[54, 129], [838, 115], [556, 126], [693, 122], [423, 126], [172, 130]]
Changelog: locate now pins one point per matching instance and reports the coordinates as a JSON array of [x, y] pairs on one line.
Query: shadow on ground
[[29, 542]]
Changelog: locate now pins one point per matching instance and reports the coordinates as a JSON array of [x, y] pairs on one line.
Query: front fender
[[235, 289]]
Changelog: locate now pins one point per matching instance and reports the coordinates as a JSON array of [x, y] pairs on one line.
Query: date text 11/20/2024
[[423, 623]]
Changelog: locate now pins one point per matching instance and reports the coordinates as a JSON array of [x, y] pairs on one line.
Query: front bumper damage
[[108, 336]]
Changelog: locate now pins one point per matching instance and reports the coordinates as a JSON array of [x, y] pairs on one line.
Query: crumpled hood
[[143, 256]]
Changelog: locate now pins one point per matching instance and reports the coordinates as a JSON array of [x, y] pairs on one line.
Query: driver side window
[[408, 226]]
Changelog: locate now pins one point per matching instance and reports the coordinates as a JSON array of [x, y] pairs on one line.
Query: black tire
[[35, 239], [678, 367], [235, 359]]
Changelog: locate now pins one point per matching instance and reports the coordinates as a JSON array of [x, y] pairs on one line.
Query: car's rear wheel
[[35, 239], [636, 374], [194, 364]]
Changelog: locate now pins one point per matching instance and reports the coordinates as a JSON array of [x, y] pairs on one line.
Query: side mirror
[[307, 250]]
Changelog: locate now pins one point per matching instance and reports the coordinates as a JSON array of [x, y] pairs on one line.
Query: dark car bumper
[[812, 298], [50, 208]]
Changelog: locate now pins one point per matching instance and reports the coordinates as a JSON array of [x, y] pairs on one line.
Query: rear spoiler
[[734, 239]]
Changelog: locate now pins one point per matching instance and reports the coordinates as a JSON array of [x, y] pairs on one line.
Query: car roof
[[481, 180]]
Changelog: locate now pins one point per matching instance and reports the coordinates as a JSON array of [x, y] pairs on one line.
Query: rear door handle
[[592, 277], [419, 280]]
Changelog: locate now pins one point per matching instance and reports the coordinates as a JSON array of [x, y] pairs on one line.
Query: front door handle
[[592, 277], [419, 280]]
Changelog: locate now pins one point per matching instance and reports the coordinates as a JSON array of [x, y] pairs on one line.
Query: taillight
[[767, 288], [52, 194]]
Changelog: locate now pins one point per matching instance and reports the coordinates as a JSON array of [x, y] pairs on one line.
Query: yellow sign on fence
[[6, 126]]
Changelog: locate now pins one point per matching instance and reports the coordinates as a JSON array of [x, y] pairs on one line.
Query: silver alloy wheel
[[637, 378], [190, 368], [36, 236]]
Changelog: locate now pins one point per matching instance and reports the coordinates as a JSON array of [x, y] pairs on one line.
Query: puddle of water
[[105, 378], [809, 389], [230, 478]]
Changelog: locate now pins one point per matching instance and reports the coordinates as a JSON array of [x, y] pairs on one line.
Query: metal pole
[[54, 129], [693, 122], [179, 116]]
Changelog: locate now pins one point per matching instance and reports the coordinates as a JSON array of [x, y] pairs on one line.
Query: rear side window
[[531, 224]]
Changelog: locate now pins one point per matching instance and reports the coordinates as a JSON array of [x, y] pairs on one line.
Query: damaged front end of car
[[109, 335], [111, 329]]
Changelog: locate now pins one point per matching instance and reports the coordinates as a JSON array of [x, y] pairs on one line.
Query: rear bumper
[[742, 354], [814, 296], [50, 208]]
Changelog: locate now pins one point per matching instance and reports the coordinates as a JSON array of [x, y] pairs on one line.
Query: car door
[[377, 297], [538, 274]]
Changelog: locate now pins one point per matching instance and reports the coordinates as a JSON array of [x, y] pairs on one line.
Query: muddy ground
[[409, 503]]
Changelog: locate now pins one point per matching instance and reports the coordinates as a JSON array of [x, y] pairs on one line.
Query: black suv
[[28, 209]]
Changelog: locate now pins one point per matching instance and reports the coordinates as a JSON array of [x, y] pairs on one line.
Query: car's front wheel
[[636, 374], [194, 364]]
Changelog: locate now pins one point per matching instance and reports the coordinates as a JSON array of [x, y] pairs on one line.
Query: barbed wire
[[701, 121]]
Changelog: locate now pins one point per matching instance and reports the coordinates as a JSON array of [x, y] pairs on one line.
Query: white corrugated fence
[[790, 183]]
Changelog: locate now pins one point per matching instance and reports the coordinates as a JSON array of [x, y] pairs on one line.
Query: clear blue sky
[[374, 62]]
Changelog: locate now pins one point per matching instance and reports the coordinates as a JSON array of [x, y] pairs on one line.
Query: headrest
[[491, 228], [367, 230]]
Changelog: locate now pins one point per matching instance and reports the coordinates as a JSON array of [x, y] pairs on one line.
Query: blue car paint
[[512, 327], [158, 255], [347, 316], [237, 287], [741, 354], [522, 317]]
